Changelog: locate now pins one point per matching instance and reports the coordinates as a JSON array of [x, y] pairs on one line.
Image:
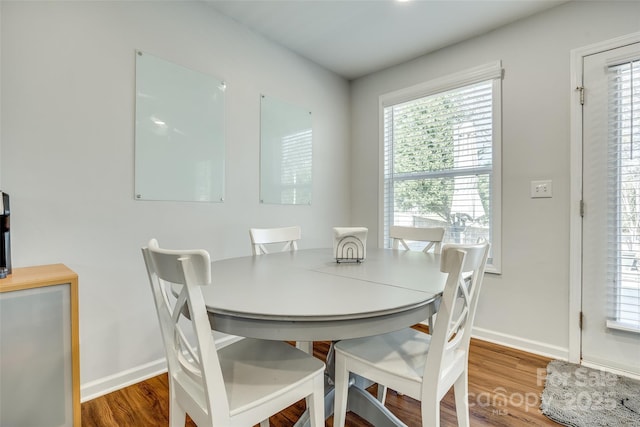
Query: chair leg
[[461, 391], [315, 403], [177, 415], [341, 389], [431, 321], [306, 346], [382, 393], [430, 409]]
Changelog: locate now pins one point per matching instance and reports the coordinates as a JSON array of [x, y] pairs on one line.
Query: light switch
[[542, 188]]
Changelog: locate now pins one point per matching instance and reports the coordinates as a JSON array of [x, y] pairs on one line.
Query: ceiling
[[357, 37]]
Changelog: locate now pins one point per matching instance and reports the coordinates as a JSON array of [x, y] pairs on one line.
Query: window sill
[[627, 327]]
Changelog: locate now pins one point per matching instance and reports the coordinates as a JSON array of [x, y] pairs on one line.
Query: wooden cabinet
[[39, 348]]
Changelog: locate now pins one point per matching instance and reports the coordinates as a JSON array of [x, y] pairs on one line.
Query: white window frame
[[490, 71]]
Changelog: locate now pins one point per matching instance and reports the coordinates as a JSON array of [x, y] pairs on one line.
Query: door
[[611, 221]]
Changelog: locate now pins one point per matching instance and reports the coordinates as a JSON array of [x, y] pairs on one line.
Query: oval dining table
[[306, 295]]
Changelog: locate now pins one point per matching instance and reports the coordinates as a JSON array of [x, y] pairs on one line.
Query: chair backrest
[[432, 235], [452, 330], [287, 236], [192, 358]]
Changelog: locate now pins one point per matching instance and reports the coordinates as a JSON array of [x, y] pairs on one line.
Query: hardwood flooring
[[504, 390]]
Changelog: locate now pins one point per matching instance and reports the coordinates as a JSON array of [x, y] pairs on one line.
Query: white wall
[[527, 306], [68, 81]]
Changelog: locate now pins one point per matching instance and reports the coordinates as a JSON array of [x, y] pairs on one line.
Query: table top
[[306, 295]]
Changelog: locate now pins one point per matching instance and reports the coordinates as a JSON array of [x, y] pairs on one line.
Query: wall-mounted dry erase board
[[179, 132]]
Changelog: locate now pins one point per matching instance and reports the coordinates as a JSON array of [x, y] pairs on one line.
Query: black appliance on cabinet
[[5, 239]]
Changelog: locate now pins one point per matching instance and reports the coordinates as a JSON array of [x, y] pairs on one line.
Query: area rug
[[583, 397]]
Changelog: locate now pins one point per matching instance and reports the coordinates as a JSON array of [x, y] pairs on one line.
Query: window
[[441, 163], [624, 203]]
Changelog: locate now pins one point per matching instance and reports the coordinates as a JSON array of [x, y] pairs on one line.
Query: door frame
[[575, 156]]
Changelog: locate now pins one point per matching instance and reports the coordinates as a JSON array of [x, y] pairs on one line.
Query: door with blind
[[611, 222]]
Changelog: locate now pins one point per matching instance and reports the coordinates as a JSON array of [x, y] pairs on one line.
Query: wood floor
[[504, 390]]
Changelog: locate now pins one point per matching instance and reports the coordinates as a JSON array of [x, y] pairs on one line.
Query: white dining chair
[[422, 366], [285, 237], [428, 238], [432, 236], [241, 384]]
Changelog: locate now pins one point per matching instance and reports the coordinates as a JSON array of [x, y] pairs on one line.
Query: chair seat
[[251, 380], [397, 355], [400, 353]]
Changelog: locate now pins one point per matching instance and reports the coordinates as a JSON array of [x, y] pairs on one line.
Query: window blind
[[438, 162], [623, 169]]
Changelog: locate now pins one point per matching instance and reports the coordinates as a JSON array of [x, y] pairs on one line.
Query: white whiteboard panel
[[285, 153], [179, 133]]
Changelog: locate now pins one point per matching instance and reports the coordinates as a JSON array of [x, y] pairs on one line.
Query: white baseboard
[[530, 346], [135, 375], [106, 385], [615, 371], [102, 386]]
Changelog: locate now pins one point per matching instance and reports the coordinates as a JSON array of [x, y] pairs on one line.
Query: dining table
[[306, 295]]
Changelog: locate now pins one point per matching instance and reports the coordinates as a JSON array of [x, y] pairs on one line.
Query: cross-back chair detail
[[431, 235], [262, 237], [241, 384], [420, 365]]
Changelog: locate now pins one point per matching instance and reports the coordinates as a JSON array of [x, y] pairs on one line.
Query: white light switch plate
[[541, 189]]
